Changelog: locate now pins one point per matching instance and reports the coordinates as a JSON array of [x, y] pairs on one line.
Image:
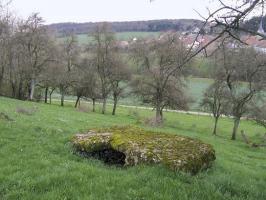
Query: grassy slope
[[36, 160]]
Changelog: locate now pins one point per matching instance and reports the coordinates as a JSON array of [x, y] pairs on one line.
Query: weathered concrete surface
[[139, 146]]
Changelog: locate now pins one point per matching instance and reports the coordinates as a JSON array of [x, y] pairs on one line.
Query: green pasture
[[37, 162]]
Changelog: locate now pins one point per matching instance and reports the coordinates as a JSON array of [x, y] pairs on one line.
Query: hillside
[[37, 160], [132, 26]]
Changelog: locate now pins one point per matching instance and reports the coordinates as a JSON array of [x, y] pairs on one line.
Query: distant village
[[189, 39]]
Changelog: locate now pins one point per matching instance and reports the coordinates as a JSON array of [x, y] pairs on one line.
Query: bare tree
[[15, 61], [119, 75], [48, 80], [34, 39], [258, 114], [216, 101], [4, 26], [160, 78], [87, 82], [64, 80], [7, 22], [102, 51], [230, 15], [68, 56], [243, 71]]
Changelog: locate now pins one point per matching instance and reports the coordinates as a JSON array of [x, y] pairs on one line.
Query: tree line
[[34, 62], [132, 26]]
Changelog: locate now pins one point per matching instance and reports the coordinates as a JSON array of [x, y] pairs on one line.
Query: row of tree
[[130, 26], [239, 83], [32, 58], [32, 62]]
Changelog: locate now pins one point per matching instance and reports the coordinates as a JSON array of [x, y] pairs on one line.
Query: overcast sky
[[54, 11]]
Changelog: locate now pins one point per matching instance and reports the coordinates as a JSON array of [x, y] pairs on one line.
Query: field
[[37, 160], [85, 38], [195, 89]]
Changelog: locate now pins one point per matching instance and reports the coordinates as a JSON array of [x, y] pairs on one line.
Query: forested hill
[[136, 26]]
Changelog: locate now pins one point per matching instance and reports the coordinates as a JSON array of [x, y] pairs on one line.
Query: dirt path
[[149, 108]]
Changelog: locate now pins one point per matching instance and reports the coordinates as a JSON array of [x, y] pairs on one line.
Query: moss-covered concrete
[[141, 146]]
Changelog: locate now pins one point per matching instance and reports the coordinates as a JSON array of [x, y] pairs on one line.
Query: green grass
[[85, 38], [195, 89], [36, 161]]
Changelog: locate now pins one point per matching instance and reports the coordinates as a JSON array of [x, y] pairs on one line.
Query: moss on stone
[[140, 146]]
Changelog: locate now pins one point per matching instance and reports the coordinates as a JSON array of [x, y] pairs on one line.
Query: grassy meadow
[[36, 159], [123, 36]]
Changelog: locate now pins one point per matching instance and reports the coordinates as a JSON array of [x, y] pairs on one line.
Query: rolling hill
[[133, 26]]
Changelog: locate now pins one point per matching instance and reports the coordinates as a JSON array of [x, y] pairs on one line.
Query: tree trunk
[[20, 92], [50, 95], [236, 125], [2, 77], [115, 104], [62, 97], [215, 126], [32, 89], [159, 115], [50, 98], [46, 95], [1, 82], [13, 86], [93, 105], [104, 106], [77, 101]]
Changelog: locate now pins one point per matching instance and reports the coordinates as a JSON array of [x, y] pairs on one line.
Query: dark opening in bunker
[[108, 156]]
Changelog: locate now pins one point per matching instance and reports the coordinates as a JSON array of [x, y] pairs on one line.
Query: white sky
[[54, 11]]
